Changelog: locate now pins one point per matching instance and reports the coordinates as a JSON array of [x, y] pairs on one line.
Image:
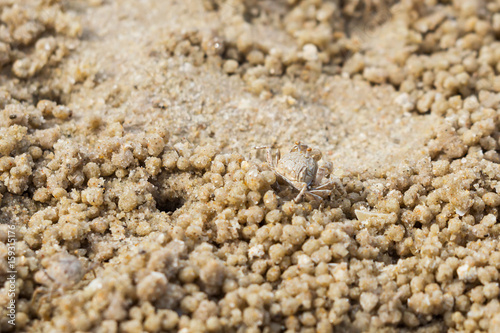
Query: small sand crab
[[62, 272], [299, 169]]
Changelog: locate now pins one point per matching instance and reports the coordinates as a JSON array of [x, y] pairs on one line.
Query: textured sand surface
[[129, 171]]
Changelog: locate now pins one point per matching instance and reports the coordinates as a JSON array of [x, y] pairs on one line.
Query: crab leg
[[315, 196], [301, 193], [320, 192], [269, 156], [322, 171], [286, 180], [323, 186]]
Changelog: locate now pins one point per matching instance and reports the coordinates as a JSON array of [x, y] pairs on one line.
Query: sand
[[132, 189]]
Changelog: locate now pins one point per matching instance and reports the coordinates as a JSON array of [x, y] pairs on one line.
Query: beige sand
[[128, 168]]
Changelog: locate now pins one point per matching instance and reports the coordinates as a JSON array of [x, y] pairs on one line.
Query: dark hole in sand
[[169, 192], [170, 204]]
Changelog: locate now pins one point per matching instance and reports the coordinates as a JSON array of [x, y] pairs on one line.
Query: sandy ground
[[129, 171]]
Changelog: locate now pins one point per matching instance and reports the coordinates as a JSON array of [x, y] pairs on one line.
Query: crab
[[299, 169], [64, 271]]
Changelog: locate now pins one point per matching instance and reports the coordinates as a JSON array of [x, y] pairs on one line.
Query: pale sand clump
[[127, 166]]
